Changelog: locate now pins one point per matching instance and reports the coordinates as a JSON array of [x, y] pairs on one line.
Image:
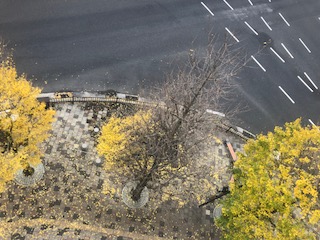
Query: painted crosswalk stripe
[[284, 19], [265, 22], [251, 28], [287, 50], [277, 54], [235, 38], [205, 6], [228, 4], [310, 80], [259, 64], [302, 42], [304, 83], [287, 95], [311, 122]]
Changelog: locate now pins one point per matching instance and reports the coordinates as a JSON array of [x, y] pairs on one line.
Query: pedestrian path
[[68, 203]]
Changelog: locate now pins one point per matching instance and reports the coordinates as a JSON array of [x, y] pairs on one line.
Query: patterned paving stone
[[71, 190]]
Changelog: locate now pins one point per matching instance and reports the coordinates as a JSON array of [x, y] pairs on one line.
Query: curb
[[116, 97]]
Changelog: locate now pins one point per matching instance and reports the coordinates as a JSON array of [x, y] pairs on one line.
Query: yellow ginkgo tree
[[275, 192], [24, 123], [135, 148], [160, 148]]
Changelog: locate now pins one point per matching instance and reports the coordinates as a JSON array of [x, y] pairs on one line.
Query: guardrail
[[62, 97], [238, 131]]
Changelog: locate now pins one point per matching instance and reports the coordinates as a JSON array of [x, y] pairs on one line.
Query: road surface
[[130, 45]]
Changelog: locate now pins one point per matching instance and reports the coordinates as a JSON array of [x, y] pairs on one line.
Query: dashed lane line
[[310, 80], [287, 50], [250, 2], [251, 28], [287, 95], [265, 22], [277, 54], [205, 6], [302, 42], [259, 64], [235, 38], [304, 83], [284, 19]]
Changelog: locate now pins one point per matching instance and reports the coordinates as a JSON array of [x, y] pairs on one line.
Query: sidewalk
[[68, 203]]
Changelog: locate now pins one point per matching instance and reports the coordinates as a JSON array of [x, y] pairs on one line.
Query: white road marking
[[287, 50], [265, 22], [259, 64], [305, 83], [250, 2], [228, 4], [205, 6], [215, 113], [284, 19], [287, 95], [311, 122], [277, 54], [269, 0], [315, 86], [232, 34], [304, 45], [251, 28]]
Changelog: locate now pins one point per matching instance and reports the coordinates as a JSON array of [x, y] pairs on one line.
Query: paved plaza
[[68, 202]]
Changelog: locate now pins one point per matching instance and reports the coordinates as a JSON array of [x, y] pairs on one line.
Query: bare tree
[[180, 122], [202, 84]]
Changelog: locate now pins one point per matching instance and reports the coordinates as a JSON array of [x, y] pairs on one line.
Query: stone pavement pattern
[[68, 204]]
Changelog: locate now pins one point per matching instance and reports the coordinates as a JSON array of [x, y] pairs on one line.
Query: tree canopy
[[160, 147], [275, 192], [24, 122], [135, 148]]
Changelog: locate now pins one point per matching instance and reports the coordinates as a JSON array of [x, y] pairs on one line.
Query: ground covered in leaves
[[71, 189]]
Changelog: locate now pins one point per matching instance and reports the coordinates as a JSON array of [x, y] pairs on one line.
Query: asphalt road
[[130, 45]]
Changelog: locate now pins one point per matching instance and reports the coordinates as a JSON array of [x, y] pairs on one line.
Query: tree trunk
[[136, 193], [220, 194], [28, 170]]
